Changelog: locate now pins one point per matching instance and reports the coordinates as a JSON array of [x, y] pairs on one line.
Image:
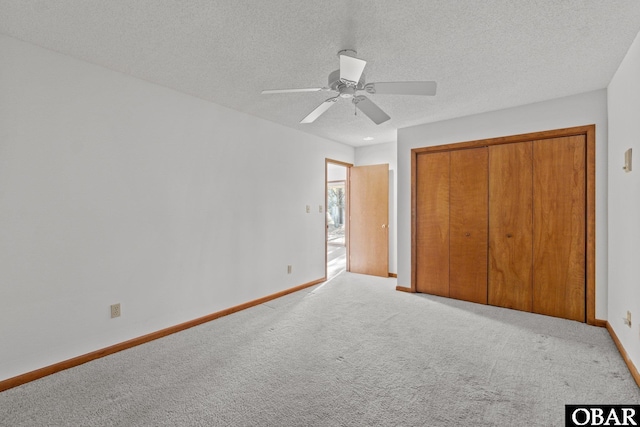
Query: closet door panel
[[511, 226], [559, 227], [468, 223], [432, 223]]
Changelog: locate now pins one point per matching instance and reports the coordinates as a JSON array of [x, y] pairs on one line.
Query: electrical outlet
[[115, 310], [308, 208], [627, 320], [288, 269], [627, 161], [319, 208]]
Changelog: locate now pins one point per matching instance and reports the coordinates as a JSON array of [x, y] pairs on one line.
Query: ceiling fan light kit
[[349, 79]]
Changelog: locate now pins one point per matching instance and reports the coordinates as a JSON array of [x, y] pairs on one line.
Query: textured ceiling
[[485, 55]]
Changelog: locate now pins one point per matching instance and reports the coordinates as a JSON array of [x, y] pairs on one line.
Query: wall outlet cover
[[628, 164], [627, 319], [115, 310]]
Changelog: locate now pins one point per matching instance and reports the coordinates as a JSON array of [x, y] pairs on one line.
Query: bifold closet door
[[432, 223], [468, 222], [559, 218], [511, 225]]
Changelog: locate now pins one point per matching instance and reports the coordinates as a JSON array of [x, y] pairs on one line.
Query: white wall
[[624, 202], [379, 154], [578, 110], [113, 189]]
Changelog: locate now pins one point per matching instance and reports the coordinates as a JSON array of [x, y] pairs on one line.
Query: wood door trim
[[591, 225], [326, 204], [547, 134], [590, 132], [414, 204]]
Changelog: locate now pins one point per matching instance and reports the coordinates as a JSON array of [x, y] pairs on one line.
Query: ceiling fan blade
[[370, 109], [402, 88], [320, 109], [311, 89], [351, 68]]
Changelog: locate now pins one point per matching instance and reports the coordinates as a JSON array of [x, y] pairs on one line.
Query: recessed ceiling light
[[368, 138]]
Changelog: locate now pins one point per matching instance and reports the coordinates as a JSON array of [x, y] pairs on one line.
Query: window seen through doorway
[[336, 212]]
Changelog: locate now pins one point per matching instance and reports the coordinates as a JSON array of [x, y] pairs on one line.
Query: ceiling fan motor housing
[[345, 90]]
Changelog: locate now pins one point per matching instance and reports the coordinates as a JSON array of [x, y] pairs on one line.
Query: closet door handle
[[467, 234], [509, 235]]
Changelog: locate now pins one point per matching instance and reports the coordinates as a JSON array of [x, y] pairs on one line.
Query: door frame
[[589, 131], [348, 166]]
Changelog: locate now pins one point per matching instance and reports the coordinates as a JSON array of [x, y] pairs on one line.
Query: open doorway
[[337, 236]]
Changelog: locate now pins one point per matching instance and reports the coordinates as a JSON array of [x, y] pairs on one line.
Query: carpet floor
[[349, 352]]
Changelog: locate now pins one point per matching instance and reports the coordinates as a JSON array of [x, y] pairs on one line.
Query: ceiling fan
[[349, 79]]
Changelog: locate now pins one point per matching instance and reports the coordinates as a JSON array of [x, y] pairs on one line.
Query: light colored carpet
[[336, 260], [351, 352]]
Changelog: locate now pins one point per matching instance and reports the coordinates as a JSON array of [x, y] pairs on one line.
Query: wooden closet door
[[432, 223], [468, 225], [511, 225], [559, 227]]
